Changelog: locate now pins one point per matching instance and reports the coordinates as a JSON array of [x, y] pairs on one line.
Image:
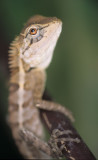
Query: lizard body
[[29, 55]]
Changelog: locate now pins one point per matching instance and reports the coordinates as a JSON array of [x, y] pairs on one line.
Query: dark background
[[73, 74]]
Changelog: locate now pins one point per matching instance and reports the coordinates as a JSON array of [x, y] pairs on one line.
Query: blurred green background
[[73, 74]]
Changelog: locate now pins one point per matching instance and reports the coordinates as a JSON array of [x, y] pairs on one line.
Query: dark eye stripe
[[34, 40], [31, 41]]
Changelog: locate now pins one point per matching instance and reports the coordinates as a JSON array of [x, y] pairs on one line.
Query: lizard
[[29, 55]]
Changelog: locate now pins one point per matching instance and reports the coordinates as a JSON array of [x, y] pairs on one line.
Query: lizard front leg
[[33, 141], [59, 139], [50, 148], [52, 106], [55, 146]]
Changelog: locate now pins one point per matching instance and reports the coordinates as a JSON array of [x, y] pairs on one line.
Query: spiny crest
[[13, 54]]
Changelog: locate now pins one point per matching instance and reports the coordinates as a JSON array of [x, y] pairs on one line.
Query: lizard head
[[39, 38]]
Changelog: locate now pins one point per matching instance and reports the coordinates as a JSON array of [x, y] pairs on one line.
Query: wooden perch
[[72, 150]]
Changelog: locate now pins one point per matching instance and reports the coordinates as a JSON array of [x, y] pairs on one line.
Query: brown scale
[[13, 87], [13, 107]]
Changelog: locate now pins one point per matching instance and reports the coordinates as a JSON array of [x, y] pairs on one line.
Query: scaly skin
[[29, 55]]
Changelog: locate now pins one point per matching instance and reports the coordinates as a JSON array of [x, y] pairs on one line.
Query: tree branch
[[74, 147]]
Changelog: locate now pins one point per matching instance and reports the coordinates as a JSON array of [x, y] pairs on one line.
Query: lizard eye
[[33, 31]]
